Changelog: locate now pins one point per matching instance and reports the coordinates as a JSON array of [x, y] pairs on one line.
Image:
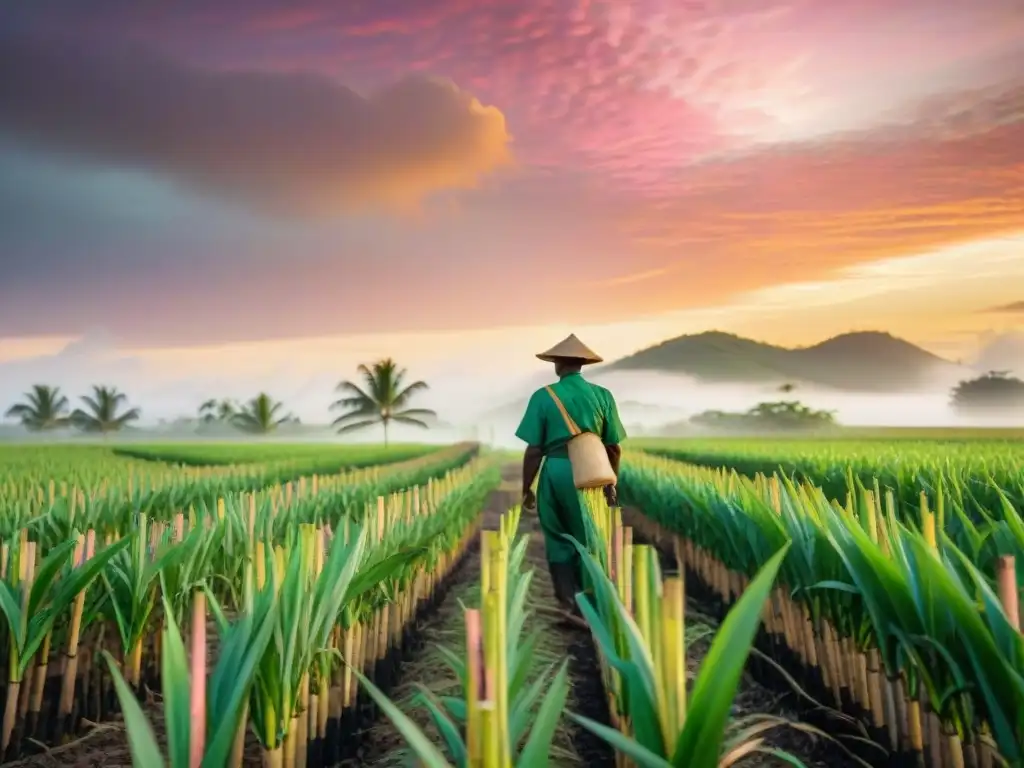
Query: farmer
[[546, 433]]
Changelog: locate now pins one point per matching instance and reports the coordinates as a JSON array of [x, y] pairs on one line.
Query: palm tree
[[101, 414], [261, 415], [44, 408], [382, 398], [217, 410]]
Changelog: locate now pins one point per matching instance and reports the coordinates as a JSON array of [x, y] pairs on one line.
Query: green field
[[206, 454], [908, 548], [845, 434], [900, 581]]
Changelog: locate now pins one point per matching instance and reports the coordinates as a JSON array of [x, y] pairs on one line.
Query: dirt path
[[385, 747]]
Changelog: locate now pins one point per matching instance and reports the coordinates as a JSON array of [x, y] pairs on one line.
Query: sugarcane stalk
[[490, 729], [197, 705], [476, 690], [26, 576], [83, 552]]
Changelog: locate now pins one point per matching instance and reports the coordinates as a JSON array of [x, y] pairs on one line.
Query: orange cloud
[[294, 142], [805, 212]]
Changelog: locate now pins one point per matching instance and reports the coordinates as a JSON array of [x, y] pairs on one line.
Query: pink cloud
[[635, 90], [638, 91], [731, 144]]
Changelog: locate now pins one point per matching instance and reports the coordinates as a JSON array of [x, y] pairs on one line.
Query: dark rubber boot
[[564, 582], [563, 578]]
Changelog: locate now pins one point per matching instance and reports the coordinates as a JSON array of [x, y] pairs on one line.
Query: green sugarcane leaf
[[292, 600], [537, 750], [231, 682], [781, 754], [121, 599], [455, 707], [516, 610], [455, 662], [382, 570], [219, 617], [641, 700], [700, 741], [638, 669], [448, 730], [624, 745], [81, 577], [47, 572], [522, 663], [11, 609], [522, 707], [177, 692], [141, 740], [425, 750], [63, 595]]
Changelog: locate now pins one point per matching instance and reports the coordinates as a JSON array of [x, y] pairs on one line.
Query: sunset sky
[[222, 190]]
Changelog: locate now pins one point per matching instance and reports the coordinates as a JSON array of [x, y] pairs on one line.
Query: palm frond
[[409, 391], [356, 425], [354, 391], [369, 377], [94, 406], [356, 414], [247, 422], [360, 401], [416, 412], [410, 420], [127, 416], [86, 421]]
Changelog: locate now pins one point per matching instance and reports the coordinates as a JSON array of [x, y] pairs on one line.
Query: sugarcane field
[[512, 383], [804, 602]]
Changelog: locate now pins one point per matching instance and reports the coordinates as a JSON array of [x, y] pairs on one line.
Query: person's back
[[591, 407], [545, 431]]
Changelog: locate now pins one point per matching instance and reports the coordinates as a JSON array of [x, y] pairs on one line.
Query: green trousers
[[560, 511]]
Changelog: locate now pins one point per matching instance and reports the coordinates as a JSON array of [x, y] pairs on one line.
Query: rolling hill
[[867, 361]]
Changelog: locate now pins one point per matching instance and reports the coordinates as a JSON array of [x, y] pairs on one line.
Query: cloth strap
[[573, 429]]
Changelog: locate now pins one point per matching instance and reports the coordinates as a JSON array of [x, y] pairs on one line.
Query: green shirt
[[592, 407]]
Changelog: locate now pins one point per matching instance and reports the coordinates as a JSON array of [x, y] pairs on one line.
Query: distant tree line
[[382, 397], [784, 415], [45, 408], [994, 392]]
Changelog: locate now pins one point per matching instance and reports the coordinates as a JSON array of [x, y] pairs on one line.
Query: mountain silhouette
[[860, 361]]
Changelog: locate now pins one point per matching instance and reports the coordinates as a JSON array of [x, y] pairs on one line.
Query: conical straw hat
[[571, 348]]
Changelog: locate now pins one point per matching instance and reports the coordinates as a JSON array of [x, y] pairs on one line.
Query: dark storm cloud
[[293, 142]]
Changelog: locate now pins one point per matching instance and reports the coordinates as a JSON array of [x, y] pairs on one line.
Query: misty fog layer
[[650, 401], [476, 401]]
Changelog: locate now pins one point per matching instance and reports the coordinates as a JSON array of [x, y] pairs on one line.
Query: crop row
[[908, 618], [33, 471], [210, 454], [977, 477], [294, 579], [50, 507]]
